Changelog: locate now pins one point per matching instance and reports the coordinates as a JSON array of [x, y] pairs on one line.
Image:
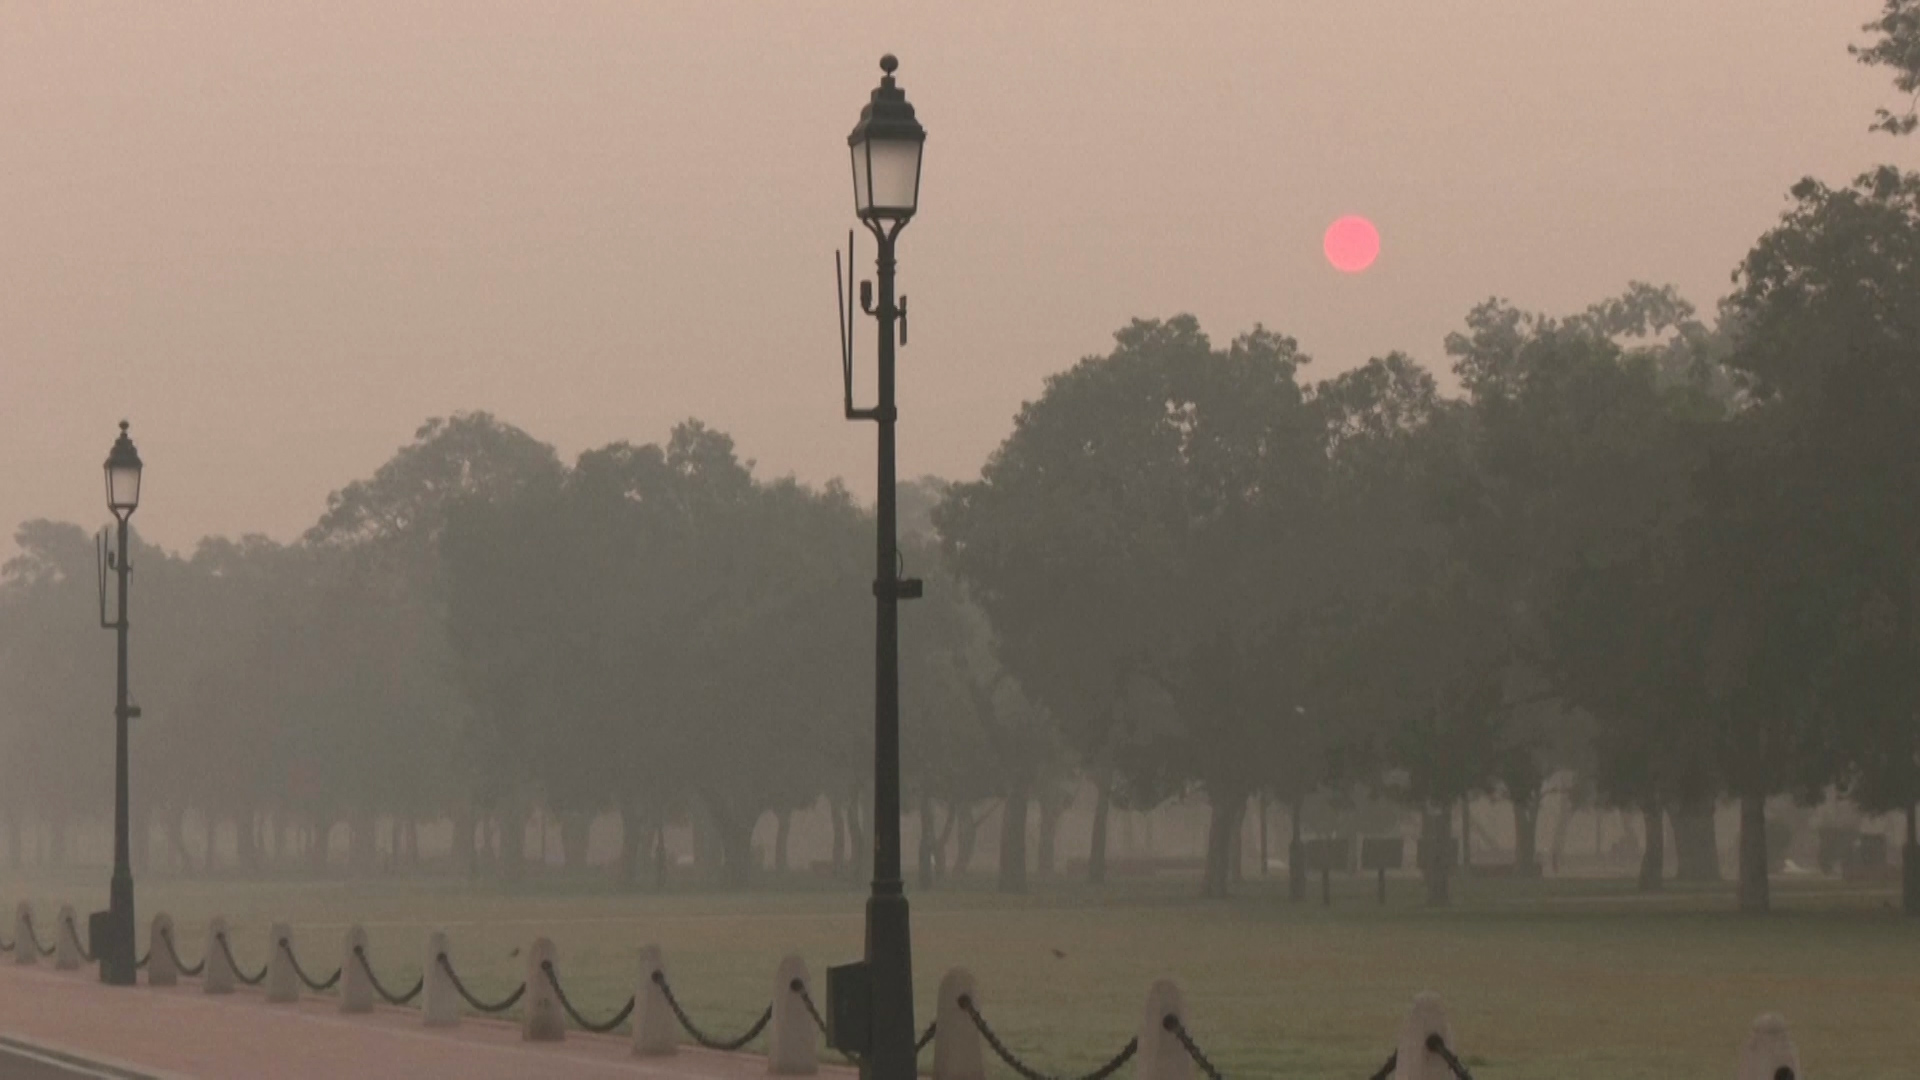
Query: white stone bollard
[[1161, 1057], [161, 969], [283, 985], [958, 1053], [1413, 1060], [356, 987], [25, 952], [1769, 1053], [219, 977], [793, 1045], [655, 1032], [66, 941], [540, 1017], [439, 1001]]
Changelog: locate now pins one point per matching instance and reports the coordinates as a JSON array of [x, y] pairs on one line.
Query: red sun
[[1351, 244]]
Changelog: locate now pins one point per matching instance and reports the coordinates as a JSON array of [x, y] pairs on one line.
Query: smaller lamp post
[[111, 931]]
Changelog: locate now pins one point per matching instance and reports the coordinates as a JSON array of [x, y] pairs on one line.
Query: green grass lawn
[[1548, 980]]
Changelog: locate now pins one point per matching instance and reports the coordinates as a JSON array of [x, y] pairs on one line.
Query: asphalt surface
[[24, 1061]]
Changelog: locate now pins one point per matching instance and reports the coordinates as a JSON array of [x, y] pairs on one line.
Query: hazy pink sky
[[277, 236]]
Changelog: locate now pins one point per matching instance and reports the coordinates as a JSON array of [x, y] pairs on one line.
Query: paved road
[[24, 1061]]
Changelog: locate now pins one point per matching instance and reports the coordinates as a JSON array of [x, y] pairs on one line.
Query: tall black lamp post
[[886, 146], [111, 931]]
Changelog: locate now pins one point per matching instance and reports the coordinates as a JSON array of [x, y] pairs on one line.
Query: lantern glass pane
[[123, 488], [896, 174], [861, 204]]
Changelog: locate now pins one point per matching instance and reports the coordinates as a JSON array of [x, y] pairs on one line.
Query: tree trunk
[[1013, 841], [177, 837], [1466, 833], [209, 831], [463, 856], [1237, 855], [1526, 834], [246, 828], [1052, 808], [1562, 826], [1227, 807], [924, 856], [1695, 843], [782, 836], [317, 854], [1097, 848], [733, 837], [1910, 864], [1296, 854], [1754, 898], [633, 837], [513, 843], [662, 858], [859, 850], [1264, 855], [1437, 867], [837, 815], [940, 842], [14, 841], [1653, 856], [966, 840], [360, 843], [575, 827]]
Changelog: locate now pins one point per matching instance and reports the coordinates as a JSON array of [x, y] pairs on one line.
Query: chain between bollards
[[33, 937], [166, 939], [234, 965], [360, 954], [1028, 1072], [603, 1028], [483, 1006], [86, 954], [701, 1037], [318, 986]]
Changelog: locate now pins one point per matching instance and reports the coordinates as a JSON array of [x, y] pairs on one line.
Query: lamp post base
[[111, 934], [890, 963]]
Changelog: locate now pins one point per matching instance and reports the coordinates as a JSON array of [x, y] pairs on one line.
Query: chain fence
[[195, 971], [388, 996], [86, 954], [598, 1028], [29, 938], [33, 936], [460, 988], [318, 986], [1028, 1072], [701, 1037], [234, 965]]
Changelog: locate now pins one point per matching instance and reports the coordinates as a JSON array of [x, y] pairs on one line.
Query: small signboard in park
[[1327, 854], [1381, 854]]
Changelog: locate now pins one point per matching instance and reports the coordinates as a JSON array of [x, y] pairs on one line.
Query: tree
[[1135, 525], [1829, 350], [1897, 46]]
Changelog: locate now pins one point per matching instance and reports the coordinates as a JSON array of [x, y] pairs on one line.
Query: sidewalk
[[181, 1033]]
